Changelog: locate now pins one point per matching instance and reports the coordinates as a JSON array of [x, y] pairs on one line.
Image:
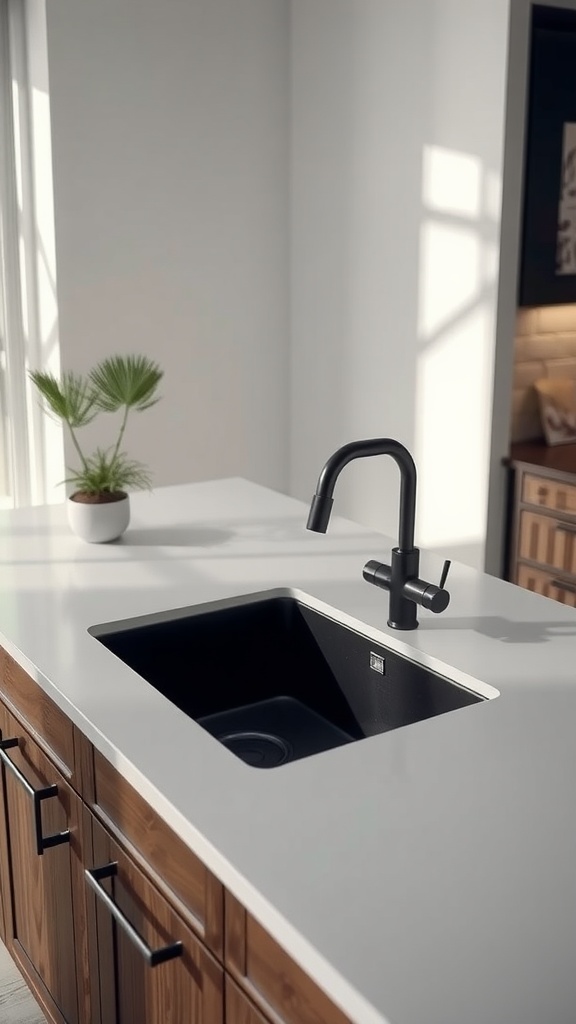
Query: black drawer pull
[[38, 795], [570, 588], [566, 527], [153, 957]]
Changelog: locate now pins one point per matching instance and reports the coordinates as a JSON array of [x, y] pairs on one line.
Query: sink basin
[[275, 680]]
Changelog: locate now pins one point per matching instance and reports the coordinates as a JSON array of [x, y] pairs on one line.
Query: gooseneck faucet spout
[[401, 577], [322, 501]]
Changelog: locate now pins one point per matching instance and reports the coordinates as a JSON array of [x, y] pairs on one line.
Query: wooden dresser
[[542, 548]]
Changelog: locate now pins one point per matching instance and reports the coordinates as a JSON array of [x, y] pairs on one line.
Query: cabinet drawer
[[548, 541], [281, 989], [176, 869], [43, 719], [547, 584], [41, 857], [147, 964], [553, 494]]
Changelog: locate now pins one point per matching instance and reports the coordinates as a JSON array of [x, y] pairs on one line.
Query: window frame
[[34, 445]]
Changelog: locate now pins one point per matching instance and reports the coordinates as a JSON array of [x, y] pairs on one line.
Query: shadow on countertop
[[175, 536], [497, 627]]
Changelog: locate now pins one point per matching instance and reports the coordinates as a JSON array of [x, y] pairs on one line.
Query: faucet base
[[401, 625]]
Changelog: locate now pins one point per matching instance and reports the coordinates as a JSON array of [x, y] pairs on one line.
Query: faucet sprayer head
[[319, 515]]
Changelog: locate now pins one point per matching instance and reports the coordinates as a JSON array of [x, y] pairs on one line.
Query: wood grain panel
[[84, 764], [548, 541], [44, 925], [277, 985], [239, 1010], [557, 495], [186, 990], [43, 719], [547, 584], [175, 869]]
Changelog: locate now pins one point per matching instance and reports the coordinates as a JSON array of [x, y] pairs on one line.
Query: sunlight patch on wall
[[458, 269], [453, 422], [450, 271], [452, 182]]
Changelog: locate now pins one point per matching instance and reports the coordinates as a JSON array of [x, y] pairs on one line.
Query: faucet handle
[[445, 571], [435, 598]]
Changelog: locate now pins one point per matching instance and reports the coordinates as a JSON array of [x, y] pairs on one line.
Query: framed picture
[[548, 260]]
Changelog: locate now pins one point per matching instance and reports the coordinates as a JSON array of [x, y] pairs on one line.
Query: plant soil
[[101, 498]]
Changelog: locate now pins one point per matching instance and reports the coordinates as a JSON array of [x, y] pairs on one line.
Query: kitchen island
[[422, 876]]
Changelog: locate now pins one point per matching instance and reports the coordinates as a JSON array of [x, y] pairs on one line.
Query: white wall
[[169, 136], [397, 155], [295, 206]]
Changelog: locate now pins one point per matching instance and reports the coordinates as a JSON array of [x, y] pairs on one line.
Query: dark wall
[[552, 102]]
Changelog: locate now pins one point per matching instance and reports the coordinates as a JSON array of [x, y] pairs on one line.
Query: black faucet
[[401, 577]]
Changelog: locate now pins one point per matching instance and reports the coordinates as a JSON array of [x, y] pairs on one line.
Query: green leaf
[[105, 472], [71, 399], [128, 381]]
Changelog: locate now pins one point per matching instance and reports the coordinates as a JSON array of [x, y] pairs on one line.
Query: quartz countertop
[[422, 876]]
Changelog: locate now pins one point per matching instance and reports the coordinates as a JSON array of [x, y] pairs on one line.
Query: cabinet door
[[239, 1009], [41, 857], [557, 495], [268, 975], [548, 585], [29, 704], [149, 966], [173, 867], [548, 541]]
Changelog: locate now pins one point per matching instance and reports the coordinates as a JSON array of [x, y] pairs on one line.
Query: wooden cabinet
[[277, 985], [110, 917], [543, 583], [147, 965], [51, 729], [41, 871], [239, 1009], [175, 869], [543, 524]]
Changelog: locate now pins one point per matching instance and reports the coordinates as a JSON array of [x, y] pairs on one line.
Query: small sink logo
[[377, 663]]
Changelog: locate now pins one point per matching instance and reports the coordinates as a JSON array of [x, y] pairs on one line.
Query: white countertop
[[423, 876]]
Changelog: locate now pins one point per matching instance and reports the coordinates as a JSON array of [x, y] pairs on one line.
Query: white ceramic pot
[[99, 521]]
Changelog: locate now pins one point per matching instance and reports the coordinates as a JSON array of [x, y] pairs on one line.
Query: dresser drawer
[[553, 494], [548, 541], [176, 869], [547, 584]]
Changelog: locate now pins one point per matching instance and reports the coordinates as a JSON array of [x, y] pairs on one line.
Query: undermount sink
[[275, 680]]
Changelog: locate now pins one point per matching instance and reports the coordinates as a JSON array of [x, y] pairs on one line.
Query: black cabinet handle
[[37, 795], [153, 957], [570, 588], [566, 527]]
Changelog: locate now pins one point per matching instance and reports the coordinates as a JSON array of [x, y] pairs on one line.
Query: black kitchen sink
[[275, 680]]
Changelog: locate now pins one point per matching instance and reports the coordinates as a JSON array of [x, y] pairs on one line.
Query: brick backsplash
[[544, 346]]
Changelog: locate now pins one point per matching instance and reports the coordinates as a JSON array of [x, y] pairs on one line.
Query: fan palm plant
[[117, 384]]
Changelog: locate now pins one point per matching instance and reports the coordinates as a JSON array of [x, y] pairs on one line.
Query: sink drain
[[260, 749]]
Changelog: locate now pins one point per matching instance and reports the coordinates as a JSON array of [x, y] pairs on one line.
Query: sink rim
[[381, 637]]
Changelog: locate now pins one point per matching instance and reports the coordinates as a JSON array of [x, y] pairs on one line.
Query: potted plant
[[99, 506]]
